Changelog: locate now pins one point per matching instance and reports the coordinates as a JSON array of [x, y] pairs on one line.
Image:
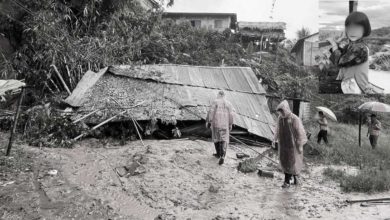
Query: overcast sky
[[334, 12], [296, 13]]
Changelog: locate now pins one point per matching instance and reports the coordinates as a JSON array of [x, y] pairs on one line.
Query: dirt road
[[182, 181]]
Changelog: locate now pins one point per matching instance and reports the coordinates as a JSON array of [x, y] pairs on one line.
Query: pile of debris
[[44, 126]]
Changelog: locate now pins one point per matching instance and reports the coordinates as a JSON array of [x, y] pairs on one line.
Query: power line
[[21, 6]]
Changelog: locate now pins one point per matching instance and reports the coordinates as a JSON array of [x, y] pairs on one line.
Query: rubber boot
[[222, 150], [297, 182], [217, 154]]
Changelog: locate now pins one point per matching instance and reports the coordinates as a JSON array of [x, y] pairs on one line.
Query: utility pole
[[353, 6]]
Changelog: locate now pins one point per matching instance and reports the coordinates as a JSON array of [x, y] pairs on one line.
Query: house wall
[[207, 22], [299, 56], [310, 51]]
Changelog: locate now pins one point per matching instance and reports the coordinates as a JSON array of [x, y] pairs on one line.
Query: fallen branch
[[50, 90], [61, 79], [55, 85], [71, 81], [367, 200]]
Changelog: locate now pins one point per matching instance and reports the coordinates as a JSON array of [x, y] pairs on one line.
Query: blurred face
[[354, 32], [321, 115]]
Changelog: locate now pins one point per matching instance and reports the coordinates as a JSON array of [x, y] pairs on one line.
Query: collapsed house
[[172, 94]]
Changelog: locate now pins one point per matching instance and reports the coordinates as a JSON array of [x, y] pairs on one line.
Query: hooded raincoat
[[220, 116], [290, 135]]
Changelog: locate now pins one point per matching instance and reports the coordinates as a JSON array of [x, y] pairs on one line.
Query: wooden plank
[[99, 125], [86, 116], [15, 122]]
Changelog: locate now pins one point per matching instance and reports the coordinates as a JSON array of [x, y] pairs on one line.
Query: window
[[218, 23], [196, 23]]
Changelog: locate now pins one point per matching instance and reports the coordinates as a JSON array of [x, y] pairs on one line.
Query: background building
[[306, 49], [263, 35], [210, 21]]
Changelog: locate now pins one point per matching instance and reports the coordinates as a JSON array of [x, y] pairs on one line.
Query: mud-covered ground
[[180, 180]]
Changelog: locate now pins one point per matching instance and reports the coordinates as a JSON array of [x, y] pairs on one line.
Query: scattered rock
[[149, 149], [140, 170], [135, 169], [52, 172], [265, 173], [214, 189], [241, 155], [165, 217], [141, 158], [122, 171]]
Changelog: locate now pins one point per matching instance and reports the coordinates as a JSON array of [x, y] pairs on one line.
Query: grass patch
[[333, 173], [374, 165], [367, 181]]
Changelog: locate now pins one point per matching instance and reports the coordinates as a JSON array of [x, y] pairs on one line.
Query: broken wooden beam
[[136, 128], [241, 155], [13, 131], [99, 125], [85, 116], [368, 200], [265, 173]]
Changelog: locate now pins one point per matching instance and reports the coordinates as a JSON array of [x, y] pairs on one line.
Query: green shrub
[[367, 181]]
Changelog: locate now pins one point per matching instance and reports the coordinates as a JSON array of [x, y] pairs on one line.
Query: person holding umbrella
[[291, 136], [374, 125], [374, 128], [323, 134], [324, 114]]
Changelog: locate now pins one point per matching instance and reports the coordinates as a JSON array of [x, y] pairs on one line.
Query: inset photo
[[354, 47]]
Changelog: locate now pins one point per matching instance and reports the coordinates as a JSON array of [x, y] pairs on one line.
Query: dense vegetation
[[75, 37]]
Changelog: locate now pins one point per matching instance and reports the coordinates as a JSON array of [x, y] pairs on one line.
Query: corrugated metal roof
[[89, 79], [170, 86], [240, 79]]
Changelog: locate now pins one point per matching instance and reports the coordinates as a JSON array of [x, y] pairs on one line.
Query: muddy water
[[180, 174]]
